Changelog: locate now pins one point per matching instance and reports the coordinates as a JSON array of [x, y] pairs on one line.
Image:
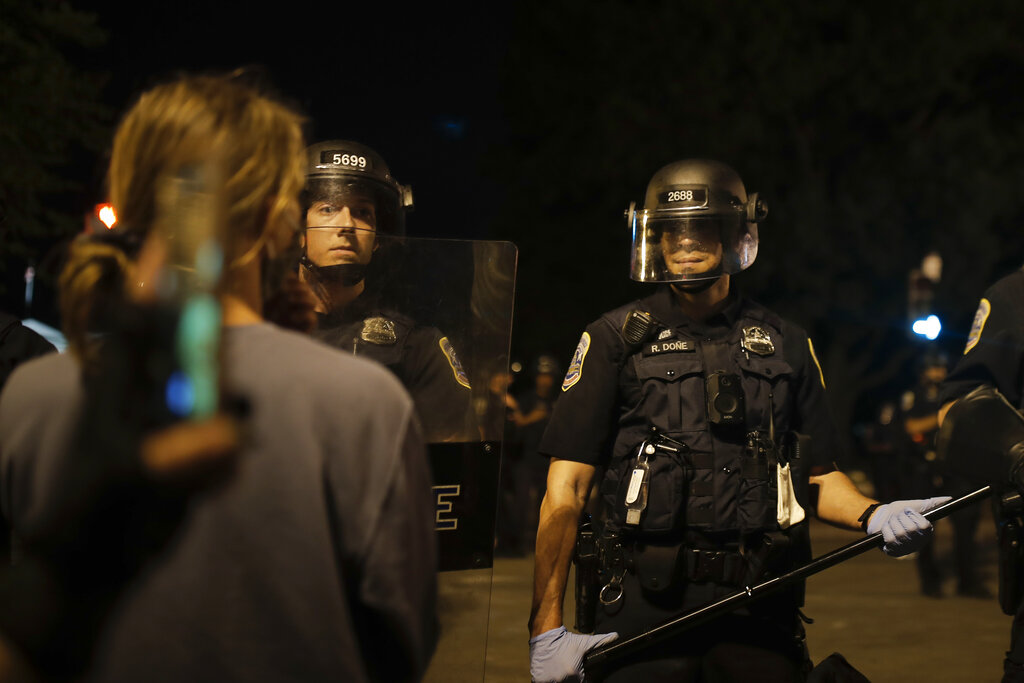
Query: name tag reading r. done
[[670, 346]]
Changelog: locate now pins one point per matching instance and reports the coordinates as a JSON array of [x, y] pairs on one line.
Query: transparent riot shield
[[438, 313]]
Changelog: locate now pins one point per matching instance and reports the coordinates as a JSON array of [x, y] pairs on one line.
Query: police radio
[[637, 327], [725, 399]]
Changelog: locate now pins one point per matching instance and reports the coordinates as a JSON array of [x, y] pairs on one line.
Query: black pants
[[764, 645], [1013, 665]]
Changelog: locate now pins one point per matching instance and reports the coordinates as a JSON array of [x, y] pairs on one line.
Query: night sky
[[875, 132], [419, 84]]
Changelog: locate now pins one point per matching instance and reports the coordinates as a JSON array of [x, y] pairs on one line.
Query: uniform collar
[[365, 304], [665, 309]]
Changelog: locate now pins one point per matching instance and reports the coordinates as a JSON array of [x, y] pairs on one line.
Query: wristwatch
[[866, 515]]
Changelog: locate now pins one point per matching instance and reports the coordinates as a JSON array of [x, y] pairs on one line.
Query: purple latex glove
[[557, 655], [903, 525]]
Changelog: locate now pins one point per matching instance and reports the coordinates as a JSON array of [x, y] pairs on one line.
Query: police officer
[[920, 406], [530, 413], [691, 399], [355, 213], [994, 357]]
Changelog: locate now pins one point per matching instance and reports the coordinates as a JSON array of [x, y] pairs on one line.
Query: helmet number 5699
[[349, 160]]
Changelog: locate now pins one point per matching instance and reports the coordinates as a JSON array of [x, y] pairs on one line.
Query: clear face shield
[[341, 225], [674, 247], [369, 204]]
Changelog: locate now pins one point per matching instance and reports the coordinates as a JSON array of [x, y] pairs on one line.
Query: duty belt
[[717, 566]]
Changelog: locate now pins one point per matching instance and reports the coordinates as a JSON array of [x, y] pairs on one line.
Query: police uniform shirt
[[593, 407], [994, 353], [420, 356]]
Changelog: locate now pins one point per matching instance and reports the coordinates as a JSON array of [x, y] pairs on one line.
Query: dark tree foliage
[[49, 111], [876, 131]]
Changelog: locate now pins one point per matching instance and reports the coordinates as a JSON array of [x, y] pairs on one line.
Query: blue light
[[928, 328], [179, 394], [452, 128]]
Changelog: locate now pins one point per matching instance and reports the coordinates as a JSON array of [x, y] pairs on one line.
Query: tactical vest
[[717, 482]]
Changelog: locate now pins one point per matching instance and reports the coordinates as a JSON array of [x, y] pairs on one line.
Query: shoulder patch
[[984, 308], [814, 357], [449, 352], [575, 371]]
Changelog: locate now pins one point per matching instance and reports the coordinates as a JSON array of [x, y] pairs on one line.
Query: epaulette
[[752, 309]]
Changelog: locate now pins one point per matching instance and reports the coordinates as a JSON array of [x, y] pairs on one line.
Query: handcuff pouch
[[657, 567]]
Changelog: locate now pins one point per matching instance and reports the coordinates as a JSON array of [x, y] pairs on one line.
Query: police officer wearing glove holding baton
[[707, 413]]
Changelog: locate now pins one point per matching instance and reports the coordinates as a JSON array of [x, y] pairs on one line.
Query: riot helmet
[[349, 191], [697, 223]]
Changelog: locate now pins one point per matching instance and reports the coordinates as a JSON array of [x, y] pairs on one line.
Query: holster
[[587, 581], [1010, 536], [770, 557]]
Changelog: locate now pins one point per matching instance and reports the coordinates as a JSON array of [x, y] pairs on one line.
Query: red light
[[106, 214]]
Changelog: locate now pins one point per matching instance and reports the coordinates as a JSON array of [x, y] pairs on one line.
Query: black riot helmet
[[337, 168], [340, 172], [697, 223]]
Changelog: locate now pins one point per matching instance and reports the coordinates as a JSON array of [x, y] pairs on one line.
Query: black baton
[[598, 660]]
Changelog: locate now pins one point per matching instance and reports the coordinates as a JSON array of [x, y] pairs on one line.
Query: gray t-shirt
[[315, 562]]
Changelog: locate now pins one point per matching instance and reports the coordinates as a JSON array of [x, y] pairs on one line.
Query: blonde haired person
[[320, 547]]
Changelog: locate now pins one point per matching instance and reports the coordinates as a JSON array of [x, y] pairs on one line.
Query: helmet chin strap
[[696, 286], [346, 274]]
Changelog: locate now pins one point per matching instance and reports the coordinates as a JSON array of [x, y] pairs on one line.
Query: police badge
[[757, 340], [379, 331]]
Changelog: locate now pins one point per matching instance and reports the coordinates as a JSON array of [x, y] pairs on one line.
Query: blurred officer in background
[[884, 442], [692, 399], [525, 470], [920, 409], [355, 219]]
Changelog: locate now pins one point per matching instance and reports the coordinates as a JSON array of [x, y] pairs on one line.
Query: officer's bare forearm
[[567, 489], [921, 425], [556, 538], [839, 501]]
